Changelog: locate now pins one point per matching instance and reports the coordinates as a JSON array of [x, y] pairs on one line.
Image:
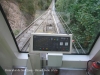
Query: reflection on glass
[[78, 17]]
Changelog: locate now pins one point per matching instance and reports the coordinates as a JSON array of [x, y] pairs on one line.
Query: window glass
[[78, 17]]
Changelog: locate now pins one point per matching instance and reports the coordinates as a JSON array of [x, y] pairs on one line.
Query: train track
[[44, 24]]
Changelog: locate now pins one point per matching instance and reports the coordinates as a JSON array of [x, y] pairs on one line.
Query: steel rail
[[55, 22], [25, 43], [25, 31], [28, 27], [63, 24], [76, 48], [67, 33], [41, 23]]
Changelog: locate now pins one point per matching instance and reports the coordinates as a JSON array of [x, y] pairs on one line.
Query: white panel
[[35, 61], [4, 30], [19, 62], [74, 64], [7, 46], [95, 53], [29, 70], [6, 58], [54, 60], [4, 34]]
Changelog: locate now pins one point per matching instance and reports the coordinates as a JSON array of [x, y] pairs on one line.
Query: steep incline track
[[44, 24], [48, 22]]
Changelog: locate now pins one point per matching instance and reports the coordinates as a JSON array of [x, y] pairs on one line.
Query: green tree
[[85, 19]]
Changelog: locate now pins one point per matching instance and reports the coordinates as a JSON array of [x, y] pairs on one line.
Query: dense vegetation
[[84, 18], [30, 6]]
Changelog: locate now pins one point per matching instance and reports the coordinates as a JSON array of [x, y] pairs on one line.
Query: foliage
[[30, 6], [85, 18]]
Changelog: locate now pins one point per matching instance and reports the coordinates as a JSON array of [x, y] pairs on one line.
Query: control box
[[56, 43]]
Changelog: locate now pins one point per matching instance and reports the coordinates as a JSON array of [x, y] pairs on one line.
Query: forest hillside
[[84, 18]]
